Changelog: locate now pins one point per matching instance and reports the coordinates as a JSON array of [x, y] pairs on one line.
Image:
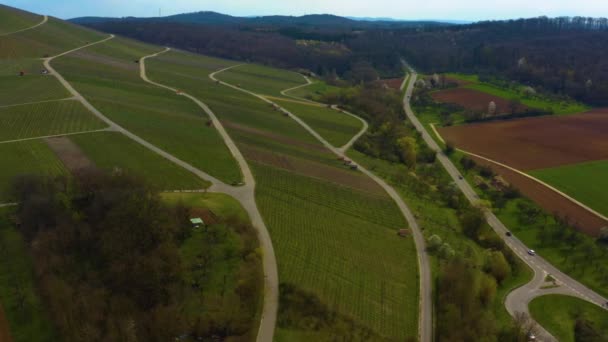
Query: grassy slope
[[12, 19], [114, 150], [46, 119], [262, 80], [586, 182], [109, 79], [313, 91], [288, 213], [558, 315], [31, 324], [54, 37], [337, 128], [28, 157]]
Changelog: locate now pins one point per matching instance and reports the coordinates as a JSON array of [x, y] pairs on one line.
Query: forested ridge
[[563, 56]]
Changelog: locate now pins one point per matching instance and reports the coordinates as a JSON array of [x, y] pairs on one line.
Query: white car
[[531, 252]]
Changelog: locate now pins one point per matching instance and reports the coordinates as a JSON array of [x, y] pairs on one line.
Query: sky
[[472, 10]]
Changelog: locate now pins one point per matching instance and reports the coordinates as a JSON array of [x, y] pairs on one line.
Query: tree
[[492, 108], [449, 148], [446, 252], [408, 150], [487, 290], [472, 221], [498, 266], [434, 243]]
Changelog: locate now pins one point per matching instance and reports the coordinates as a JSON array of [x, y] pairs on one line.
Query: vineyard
[[30, 88], [44, 119], [49, 39], [342, 245], [336, 127], [262, 80], [113, 150], [28, 157], [172, 123]]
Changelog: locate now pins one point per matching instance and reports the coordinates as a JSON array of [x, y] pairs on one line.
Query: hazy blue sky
[[403, 9]]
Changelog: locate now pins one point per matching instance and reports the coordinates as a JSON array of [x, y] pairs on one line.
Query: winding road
[[45, 19], [246, 196], [425, 327], [517, 301]]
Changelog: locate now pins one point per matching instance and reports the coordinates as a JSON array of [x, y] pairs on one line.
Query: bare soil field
[[5, 334], [550, 200], [103, 59], [70, 154], [474, 100], [536, 143], [393, 83], [311, 169]]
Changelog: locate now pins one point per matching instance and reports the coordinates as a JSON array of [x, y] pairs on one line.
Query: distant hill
[[317, 20]]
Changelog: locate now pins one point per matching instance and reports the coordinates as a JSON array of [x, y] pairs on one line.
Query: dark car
[[509, 234]]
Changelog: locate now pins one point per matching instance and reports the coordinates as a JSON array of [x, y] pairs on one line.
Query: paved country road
[[517, 301], [425, 329]]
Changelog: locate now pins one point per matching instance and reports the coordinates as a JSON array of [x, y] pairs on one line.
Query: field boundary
[[44, 21], [39, 102], [107, 129]]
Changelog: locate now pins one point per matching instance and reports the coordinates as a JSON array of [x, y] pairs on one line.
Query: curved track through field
[[45, 19], [425, 328]]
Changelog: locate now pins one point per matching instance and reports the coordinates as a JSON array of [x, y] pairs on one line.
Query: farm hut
[[403, 232], [354, 167], [136, 61], [197, 222], [347, 162], [209, 123], [341, 158], [21, 73]]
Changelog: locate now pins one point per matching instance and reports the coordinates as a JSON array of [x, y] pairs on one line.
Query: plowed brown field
[[474, 100], [538, 143], [5, 334]]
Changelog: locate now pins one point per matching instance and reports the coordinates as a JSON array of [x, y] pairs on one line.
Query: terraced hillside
[[334, 229]]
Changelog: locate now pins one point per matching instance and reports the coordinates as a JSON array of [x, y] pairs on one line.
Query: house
[[403, 232], [197, 222]]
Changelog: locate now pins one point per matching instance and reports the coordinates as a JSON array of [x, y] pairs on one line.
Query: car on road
[[531, 337], [509, 234], [460, 177], [531, 252]]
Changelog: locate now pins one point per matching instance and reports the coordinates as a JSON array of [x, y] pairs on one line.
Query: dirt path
[[425, 330], [44, 21], [246, 196]]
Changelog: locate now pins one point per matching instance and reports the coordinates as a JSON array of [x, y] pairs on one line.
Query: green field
[[12, 20], [30, 88], [108, 77], [261, 80], [342, 245], [336, 127], [113, 150], [44, 119], [27, 157], [313, 91], [558, 314], [538, 102], [585, 182], [31, 322]]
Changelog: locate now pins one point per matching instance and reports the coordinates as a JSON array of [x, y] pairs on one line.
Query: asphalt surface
[[517, 300], [425, 330]]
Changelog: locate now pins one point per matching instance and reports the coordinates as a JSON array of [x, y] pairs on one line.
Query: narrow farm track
[[517, 301], [56, 135], [44, 21], [425, 329], [38, 102], [352, 141], [245, 195]]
